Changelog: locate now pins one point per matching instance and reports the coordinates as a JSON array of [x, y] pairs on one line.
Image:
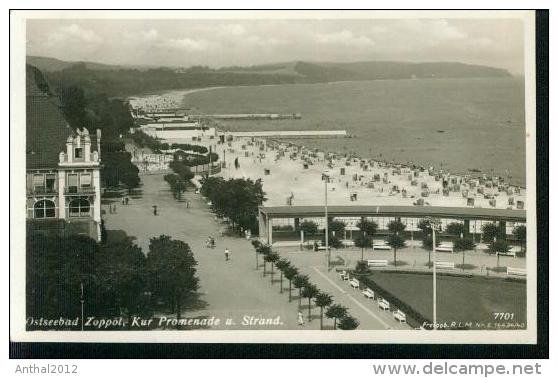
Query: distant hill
[[374, 70], [52, 64], [115, 80]]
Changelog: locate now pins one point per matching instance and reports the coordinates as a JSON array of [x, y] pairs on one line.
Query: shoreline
[[408, 164], [180, 98]]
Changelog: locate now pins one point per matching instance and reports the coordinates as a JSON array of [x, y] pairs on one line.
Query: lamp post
[[82, 300], [362, 251], [433, 224], [463, 254], [326, 179], [497, 254]]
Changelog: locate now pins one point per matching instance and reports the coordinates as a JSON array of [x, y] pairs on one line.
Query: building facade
[[63, 168]]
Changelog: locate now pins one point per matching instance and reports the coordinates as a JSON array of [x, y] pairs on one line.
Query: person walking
[[155, 210], [127, 199], [300, 319], [227, 254]]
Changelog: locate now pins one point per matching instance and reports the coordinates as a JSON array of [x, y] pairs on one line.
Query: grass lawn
[[460, 299]]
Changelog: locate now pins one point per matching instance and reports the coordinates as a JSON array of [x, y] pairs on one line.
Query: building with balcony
[[62, 167]]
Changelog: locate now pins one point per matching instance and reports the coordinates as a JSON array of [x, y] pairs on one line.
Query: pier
[[291, 134], [249, 117]]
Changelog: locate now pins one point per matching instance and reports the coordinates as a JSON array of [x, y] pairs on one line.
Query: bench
[[383, 304], [355, 284], [381, 246], [445, 247], [368, 293], [400, 316], [516, 272], [377, 263], [445, 265], [512, 252]]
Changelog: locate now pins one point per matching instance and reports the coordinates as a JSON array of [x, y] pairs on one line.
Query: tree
[[520, 233], [333, 242], [362, 242], [396, 227], [310, 291], [171, 271], [347, 322], [427, 242], [299, 282], [490, 232], [395, 241], [322, 300], [264, 249], [290, 273], [368, 230], [272, 258], [456, 229], [425, 229], [121, 270], [336, 312], [367, 227], [236, 199], [118, 168], [336, 228], [74, 105], [309, 228], [256, 244], [56, 269], [499, 246], [282, 266], [464, 244]]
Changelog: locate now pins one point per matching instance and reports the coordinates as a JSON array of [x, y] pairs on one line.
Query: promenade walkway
[[233, 289], [414, 257]]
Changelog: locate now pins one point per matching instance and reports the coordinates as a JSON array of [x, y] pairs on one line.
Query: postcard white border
[[17, 191]]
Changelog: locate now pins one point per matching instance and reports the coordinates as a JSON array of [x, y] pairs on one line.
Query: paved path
[[365, 310], [231, 289], [416, 258]]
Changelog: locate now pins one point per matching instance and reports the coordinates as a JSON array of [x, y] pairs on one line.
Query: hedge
[[414, 318]]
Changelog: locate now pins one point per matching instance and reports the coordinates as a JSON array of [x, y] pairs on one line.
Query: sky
[[228, 42]]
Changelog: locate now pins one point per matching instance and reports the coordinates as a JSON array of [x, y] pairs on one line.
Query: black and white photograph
[[274, 176]]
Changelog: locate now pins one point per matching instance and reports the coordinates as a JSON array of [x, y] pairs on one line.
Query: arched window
[[44, 209], [79, 207]]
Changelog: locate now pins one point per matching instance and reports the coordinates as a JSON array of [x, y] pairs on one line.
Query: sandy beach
[[292, 173]]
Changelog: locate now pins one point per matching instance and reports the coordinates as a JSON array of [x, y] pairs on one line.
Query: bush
[[190, 147], [465, 244], [427, 242], [333, 241], [362, 267], [181, 169], [348, 323]]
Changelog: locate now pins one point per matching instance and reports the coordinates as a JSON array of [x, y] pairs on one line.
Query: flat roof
[[400, 211]]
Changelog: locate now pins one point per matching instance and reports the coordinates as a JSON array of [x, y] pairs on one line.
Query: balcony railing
[[42, 190], [79, 190]]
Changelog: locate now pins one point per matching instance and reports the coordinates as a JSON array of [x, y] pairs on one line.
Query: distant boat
[[441, 131], [476, 170]]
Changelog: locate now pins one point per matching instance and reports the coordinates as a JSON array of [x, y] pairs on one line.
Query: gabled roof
[[47, 129]]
